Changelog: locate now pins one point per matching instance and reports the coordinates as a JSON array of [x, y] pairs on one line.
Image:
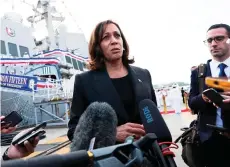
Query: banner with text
[[25, 83]]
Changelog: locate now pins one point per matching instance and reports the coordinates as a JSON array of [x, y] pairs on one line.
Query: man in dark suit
[[111, 79], [215, 146], [226, 101], [226, 95]]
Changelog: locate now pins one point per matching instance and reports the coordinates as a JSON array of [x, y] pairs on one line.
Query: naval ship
[[39, 70]]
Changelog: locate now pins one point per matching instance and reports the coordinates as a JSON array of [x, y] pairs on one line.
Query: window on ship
[[80, 65], [75, 64], [23, 50], [45, 77], [3, 48], [68, 59], [48, 76], [13, 49], [84, 65]]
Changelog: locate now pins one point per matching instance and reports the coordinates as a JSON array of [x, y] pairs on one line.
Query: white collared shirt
[[215, 70]]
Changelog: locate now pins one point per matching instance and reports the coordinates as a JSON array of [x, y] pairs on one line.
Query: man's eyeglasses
[[217, 39]]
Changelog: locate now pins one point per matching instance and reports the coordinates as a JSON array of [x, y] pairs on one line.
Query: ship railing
[[50, 99], [52, 89]]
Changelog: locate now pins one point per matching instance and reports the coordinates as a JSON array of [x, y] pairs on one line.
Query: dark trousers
[[216, 151]]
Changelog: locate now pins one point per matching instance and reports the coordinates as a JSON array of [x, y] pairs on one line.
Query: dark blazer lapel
[[138, 87], [209, 73], [105, 90]]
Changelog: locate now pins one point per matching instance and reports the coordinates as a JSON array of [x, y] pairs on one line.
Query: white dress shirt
[[215, 70]]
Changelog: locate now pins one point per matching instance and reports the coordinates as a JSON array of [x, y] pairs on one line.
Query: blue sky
[[164, 36]]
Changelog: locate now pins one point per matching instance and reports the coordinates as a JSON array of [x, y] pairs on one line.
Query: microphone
[[154, 123], [98, 124], [112, 156], [79, 158], [121, 155]]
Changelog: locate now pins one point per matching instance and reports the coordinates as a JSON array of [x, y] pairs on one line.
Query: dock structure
[[52, 102], [53, 111]]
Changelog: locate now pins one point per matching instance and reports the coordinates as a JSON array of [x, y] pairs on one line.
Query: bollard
[[186, 102], [164, 104]]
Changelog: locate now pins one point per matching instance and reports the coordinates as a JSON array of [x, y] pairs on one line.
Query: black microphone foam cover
[[100, 121], [79, 158]]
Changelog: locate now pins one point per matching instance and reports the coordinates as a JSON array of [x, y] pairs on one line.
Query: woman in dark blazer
[[111, 79]]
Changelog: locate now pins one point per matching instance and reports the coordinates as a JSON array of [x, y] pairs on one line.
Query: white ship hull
[[38, 70]]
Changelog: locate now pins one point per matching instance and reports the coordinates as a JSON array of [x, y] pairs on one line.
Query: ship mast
[[49, 25], [46, 15]]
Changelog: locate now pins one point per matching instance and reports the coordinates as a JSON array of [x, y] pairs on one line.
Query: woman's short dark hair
[[96, 55]]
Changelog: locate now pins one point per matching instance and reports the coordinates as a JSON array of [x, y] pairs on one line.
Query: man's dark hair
[[225, 26]]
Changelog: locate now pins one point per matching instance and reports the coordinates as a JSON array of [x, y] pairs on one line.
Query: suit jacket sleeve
[[195, 101], [77, 108], [152, 90]]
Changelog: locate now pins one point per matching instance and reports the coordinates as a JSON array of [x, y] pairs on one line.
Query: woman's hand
[[129, 129]]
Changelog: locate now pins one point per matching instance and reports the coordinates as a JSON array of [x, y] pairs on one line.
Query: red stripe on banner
[[64, 54], [173, 111], [46, 62], [73, 56], [44, 86], [49, 54]]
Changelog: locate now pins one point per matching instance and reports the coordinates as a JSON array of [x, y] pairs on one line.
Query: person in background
[[164, 96], [16, 152], [158, 97], [113, 80], [214, 147], [182, 94], [175, 96]]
